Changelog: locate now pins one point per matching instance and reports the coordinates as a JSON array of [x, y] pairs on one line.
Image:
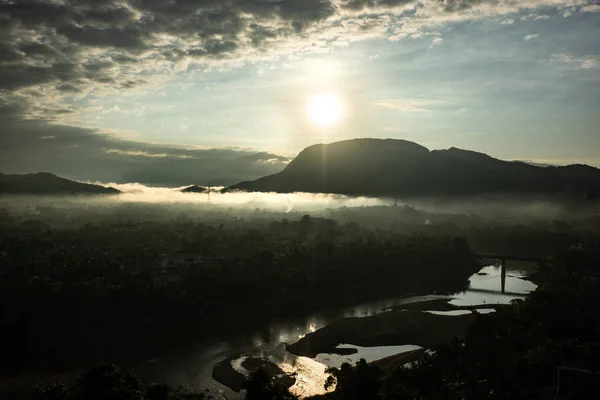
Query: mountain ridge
[[45, 183], [393, 167]]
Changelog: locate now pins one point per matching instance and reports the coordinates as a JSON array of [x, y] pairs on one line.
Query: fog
[[138, 193], [487, 206], [140, 202]]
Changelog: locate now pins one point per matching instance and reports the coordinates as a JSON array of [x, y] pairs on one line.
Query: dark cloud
[[84, 154], [214, 48], [50, 42], [361, 4], [104, 37], [38, 50], [38, 38], [8, 53]]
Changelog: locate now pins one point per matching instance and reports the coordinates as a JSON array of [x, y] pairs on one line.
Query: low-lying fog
[[269, 201], [136, 196]]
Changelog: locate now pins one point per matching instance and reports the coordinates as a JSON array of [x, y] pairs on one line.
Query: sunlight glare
[[324, 109]]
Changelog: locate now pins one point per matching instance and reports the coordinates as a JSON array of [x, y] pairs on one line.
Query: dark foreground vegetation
[[81, 284], [108, 382], [511, 354], [69, 296]]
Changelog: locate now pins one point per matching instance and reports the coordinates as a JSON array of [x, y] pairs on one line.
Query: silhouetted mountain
[[48, 184], [377, 167], [194, 189]]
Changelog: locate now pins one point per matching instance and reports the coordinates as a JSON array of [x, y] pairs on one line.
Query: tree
[[107, 382], [52, 391], [158, 391], [361, 382], [260, 386]]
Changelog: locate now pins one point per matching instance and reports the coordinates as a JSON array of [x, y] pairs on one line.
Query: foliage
[[52, 391], [79, 282], [112, 286], [108, 382], [260, 386], [361, 382]]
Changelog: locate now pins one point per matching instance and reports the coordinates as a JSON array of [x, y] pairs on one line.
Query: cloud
[[87, 154], [594, 8], [577, 62], [403, 105], [139, 153], [534, 17], [438, 41], [530, 36], [508, 21], [54, 52]]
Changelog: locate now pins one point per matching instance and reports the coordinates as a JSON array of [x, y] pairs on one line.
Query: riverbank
[[515, 353], [387, 329]]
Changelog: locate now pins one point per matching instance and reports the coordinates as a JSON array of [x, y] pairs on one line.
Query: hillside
[[194, 189], [387, 167], [47, 184]]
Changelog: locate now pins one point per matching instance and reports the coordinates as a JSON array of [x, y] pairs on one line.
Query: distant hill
[[47, 184], [387, 167], [194, 189]]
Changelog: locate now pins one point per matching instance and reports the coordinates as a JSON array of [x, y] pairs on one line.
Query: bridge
[[503, 258]]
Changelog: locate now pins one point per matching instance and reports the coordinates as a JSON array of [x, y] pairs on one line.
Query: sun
[[324, 109]]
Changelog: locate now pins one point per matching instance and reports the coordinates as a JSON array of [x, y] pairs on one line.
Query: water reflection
[[489, 279], [454, 313], [368, 353], [310, 375], [191, 366]]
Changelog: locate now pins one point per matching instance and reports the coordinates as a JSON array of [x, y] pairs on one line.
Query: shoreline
[[387, 329]]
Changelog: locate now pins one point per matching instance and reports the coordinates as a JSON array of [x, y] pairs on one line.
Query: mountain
[[194, 189], [388, 167], [47, 184]]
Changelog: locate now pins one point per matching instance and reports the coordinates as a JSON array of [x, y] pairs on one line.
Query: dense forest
[[69, 295], [511, 354], [79, 284]]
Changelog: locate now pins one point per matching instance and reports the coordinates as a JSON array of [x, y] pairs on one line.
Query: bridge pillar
[[503, 275]]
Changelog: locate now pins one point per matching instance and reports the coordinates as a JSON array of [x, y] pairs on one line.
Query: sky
[[176, 92]]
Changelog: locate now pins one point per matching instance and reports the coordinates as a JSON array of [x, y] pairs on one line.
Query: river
[[191, 365]]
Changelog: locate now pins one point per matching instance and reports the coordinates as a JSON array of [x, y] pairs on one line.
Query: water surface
[[191, 365]]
